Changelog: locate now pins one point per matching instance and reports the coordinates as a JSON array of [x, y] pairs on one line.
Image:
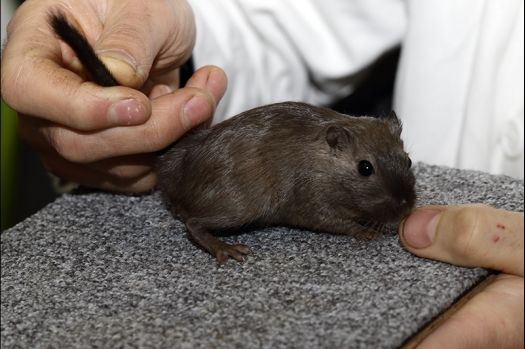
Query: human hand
[[106, 137], [474, 236]]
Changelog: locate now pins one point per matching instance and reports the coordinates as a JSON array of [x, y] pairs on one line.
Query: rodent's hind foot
[[237, 252]]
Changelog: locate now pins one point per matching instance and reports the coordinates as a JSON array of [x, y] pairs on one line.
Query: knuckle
[[86, 112]]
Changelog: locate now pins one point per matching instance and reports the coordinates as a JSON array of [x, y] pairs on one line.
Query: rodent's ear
[[394, 123], [337, 138]]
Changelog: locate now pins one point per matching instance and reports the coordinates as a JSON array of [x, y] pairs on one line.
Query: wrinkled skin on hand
[[106, 137]]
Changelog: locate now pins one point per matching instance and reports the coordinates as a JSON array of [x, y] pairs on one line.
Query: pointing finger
[[467, 235]]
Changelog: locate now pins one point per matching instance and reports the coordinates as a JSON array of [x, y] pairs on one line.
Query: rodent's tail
[[85, 53]]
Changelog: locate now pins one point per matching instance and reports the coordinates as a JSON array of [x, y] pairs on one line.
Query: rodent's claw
[[236, 251]]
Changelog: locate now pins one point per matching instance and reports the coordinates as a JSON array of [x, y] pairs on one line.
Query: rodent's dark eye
[[365, 168], [409, 162]]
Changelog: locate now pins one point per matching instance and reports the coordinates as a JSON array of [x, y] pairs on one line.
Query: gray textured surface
[[114, 271]]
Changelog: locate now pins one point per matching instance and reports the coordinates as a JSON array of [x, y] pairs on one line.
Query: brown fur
[[287, 164]]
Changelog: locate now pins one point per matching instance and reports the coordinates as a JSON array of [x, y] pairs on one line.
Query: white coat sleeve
[[278, 50], [460, 84]]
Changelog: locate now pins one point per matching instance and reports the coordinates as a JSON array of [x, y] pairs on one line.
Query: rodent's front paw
[[236, 251]]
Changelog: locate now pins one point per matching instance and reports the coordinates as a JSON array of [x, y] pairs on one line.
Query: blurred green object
[[10, 155]]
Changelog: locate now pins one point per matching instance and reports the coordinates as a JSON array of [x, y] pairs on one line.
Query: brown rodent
[[282, 164], [288, 164]]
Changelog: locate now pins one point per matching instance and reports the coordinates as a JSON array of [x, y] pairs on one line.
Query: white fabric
[[305, 50], [459, 87]]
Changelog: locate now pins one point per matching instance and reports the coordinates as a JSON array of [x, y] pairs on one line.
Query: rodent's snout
[[400, 201], [406, 202], [405, 207], [399, 210]]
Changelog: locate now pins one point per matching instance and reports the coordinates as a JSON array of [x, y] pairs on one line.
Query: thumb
[[140, 39], [471, 235]]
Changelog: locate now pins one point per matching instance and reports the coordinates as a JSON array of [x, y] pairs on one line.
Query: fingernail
[[121, 66], [419, 228], [128, 112], [115, 58], [196, 111]]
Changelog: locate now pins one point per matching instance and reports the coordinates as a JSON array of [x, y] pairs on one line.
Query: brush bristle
[[85, 53]]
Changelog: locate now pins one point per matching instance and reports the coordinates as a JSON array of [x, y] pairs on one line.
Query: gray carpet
[[100, 270]]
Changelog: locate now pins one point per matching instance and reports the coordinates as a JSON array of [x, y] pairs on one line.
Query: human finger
[[134, 46], [491, 319], [34, 81], [173, 115], [176, 113], [468, 235], [160, 85], [212, 77], [215, 81], [123, 174], [132, 173]]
